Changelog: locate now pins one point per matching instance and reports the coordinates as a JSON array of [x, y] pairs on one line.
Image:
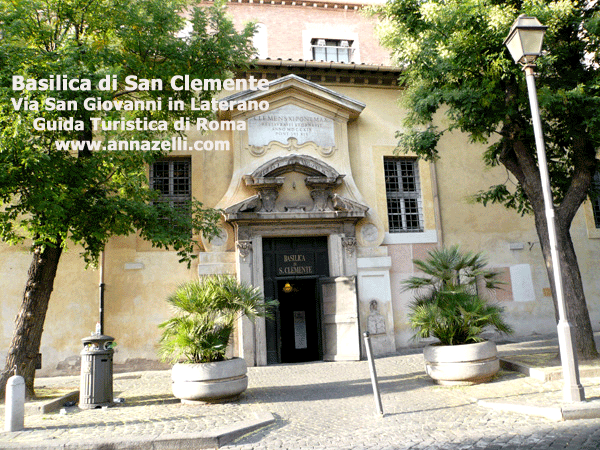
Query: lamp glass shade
[[525, 39]]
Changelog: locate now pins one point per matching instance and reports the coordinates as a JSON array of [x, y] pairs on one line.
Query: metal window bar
[[172, 179], [596, 200], [403, 192], [332, 51]]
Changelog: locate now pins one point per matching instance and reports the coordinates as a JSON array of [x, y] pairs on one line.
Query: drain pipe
[[101, 296]]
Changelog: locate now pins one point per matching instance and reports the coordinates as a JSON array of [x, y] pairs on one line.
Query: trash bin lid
[[99, 339]]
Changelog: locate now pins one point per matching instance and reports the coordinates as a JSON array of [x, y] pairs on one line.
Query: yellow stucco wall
[[138, 278]]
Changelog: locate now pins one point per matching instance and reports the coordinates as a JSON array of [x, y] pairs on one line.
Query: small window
[[596, 199], [335, 50], [172, 178], [403, 192]]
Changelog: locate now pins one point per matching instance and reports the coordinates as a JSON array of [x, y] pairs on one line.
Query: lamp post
[[525, 44]]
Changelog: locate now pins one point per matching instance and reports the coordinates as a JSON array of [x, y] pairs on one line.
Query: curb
[[544, 375], [182, 441], [573, 411], [51, 405]]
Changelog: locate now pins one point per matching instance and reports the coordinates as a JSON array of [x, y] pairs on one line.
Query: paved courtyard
[[330, 406], [320, 405]]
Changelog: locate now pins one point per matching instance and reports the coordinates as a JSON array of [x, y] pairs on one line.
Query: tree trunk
[[574, 297], [521, 163], [25, 344]]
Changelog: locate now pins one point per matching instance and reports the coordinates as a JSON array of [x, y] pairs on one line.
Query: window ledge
[[423, 237], [593, 233]]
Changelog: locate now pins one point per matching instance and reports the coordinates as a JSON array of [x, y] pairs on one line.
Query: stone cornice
[[322, 73]]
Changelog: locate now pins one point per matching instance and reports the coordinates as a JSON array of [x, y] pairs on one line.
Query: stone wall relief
[[244, 247], [220, 243], [375, 321], [369, 234], [349, 244]]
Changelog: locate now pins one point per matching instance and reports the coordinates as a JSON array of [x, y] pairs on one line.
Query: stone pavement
[[322, 405]]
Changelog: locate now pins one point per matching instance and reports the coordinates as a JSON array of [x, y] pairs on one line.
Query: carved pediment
[[344, 204], [249, 205], [299, 163], [258, 182], [321, 200]]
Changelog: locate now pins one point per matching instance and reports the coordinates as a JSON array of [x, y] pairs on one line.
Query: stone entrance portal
[[307, 241], [292, 185]]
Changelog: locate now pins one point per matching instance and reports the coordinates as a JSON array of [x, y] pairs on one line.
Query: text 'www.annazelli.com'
[[177, 144]]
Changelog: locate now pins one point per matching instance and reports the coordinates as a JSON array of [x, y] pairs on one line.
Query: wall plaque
[[290, 121], [296, 264]]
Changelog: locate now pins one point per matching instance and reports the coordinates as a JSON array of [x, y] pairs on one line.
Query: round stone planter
[[461, 364], [209, 382]]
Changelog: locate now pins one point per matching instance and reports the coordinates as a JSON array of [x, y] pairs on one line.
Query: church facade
[[318, 211]]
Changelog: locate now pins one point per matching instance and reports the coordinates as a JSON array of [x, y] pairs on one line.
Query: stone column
[[260, 329], [336, 256], [244, 263]]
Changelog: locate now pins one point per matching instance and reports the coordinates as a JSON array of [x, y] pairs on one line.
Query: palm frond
[[447, 305], [205, 312]]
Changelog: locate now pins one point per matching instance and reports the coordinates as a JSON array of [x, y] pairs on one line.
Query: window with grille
[[596, 200], [335, 50], [172, 178], [403, 192]]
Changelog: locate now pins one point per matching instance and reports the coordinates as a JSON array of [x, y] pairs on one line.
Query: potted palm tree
[[196, 338], [449, 305]]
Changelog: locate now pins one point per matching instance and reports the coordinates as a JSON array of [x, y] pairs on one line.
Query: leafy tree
[[455, 62], [50, 197]]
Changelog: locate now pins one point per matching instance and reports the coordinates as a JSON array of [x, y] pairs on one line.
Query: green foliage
[[205, 314], [51, 196], [447, 305], [455, 63], [455, 318], [422, 142], [449, 269]]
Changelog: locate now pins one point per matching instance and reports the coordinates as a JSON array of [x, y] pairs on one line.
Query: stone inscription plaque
[[290, 121], [297, 264]]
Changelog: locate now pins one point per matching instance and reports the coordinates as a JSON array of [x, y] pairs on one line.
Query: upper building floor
[[341, 32]]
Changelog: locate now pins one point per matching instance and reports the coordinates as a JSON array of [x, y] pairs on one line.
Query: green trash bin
[[96, 389]]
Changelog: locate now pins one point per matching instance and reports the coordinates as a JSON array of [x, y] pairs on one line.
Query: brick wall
[[285, 24]]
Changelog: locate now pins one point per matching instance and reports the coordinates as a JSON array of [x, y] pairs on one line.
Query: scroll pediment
[[300, 163], [319, 186], [335, 207], [345, 204], [248, 205]]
